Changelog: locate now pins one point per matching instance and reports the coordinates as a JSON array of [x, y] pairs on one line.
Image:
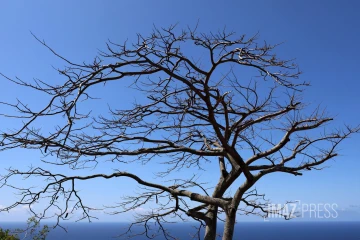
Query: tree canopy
[[205, 98]]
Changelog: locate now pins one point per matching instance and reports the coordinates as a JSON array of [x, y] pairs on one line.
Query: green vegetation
[[32, 231], [5, 235]]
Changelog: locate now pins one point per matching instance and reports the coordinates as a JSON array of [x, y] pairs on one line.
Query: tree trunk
[[229, 225], [211, 223]]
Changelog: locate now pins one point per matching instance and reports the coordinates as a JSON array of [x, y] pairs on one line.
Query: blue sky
[[323, 36]]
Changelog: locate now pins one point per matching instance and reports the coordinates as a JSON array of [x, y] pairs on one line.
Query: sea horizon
[[272, 230]]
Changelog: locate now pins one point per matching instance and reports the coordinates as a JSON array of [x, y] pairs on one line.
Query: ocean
[[244, 231]]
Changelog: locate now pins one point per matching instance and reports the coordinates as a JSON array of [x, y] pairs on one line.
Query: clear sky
[[323, 36]]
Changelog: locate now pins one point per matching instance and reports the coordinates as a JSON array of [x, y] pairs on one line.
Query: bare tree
[[199, 109]]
